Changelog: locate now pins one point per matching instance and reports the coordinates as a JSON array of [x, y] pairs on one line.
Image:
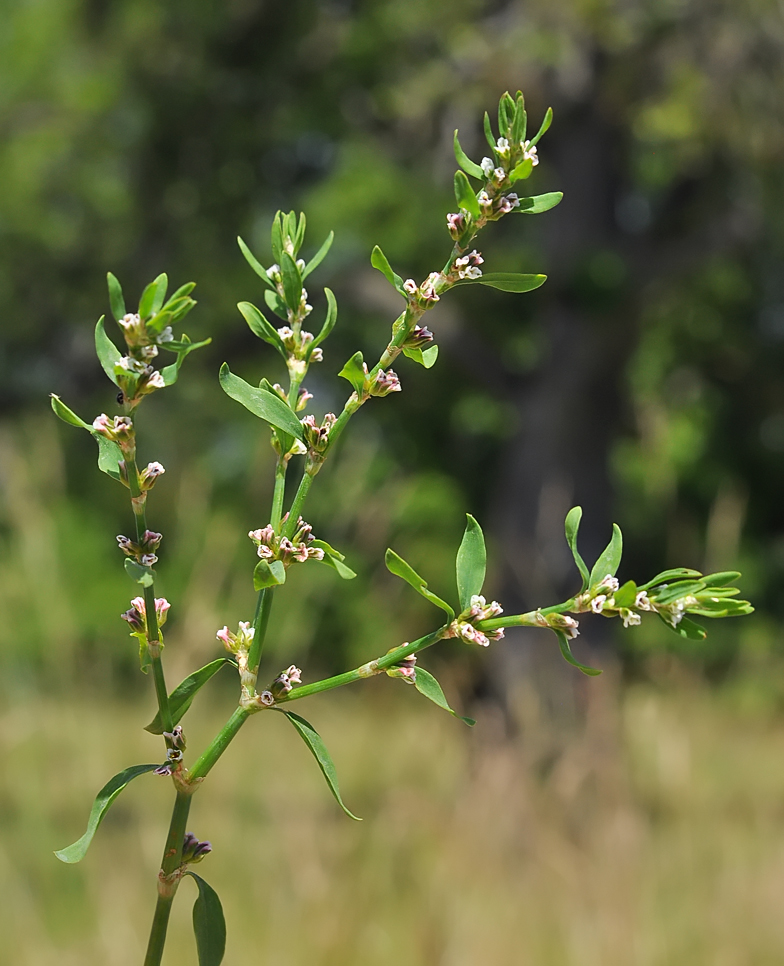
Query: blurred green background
[[635, 818]]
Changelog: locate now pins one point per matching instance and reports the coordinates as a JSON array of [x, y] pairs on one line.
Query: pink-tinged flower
[[508, 203], [529, 152], [226, 637], [456, 223], [597, 604], [150, 474], [385, 383], [410, 286], [161, 610], [302, 399]]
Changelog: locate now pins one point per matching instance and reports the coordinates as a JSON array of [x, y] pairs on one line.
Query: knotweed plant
[[284, 541]]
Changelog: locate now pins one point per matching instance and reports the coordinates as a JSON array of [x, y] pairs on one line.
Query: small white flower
[[529, 153], [487, 166], [273, 270], [499, 174], [608, 583], [597, 604], [630, 619], [484, 199], [472, 272], [641, 601], [502, 146], [410, 286]]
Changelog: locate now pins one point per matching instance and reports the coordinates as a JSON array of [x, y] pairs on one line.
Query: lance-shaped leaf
[[566, 651], [536, 204], [354, 372], [520, 123], [425, 357], [329, 322], [397, 566], [489, 136], [108, 354], [680, 588], [298, 236], [610, 558], [116, 300], [721, 579], [263, 404], [426, 684], [313, 740], [260, 327], [183, 349], [333, 558], [379, 261], [471, 563], [209, 925], [276, 235], [104, 798], [182, 292], [687, 628], [319, 257], [572, 527], [469, 166], [109, 454], [153, 296], [138, 573], [464, 194], [256, 265], [626, 595], [292, 281], [676, 573], [182, 696], [507, 281], [548, 120], [522, 171], [269, 574], [276, 303], [158, 322]]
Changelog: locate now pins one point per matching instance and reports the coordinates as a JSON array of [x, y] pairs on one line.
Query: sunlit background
[[636, 818]]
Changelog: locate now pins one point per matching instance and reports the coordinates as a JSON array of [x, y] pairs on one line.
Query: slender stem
[[290, 525], [278, 493], [525, 620], [167, 885], [219, 744], [260, 622]]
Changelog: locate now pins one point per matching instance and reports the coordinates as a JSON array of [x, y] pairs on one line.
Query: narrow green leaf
[[489, 132], [263, 404], [610, 558], [520, 121], [313, 740], [522, 171], [67, 415], [397, 566], [138, 573], [116, 300], [464, 194], [319, 257], [276, 303], [334, 559], [425, 357], [471, 563], [503, 117], [160, 320], [725, 578], [209, 925], [108, 354], [426, 684], [170, 373], [292, 281], [379, 261], [182, 696], [548, 120], [680, 588], [299, 236], [508, 281], [566, 651], [256, 265], [276, 236], [260, 327], [686, 628], [182, 292], [354, 372], [536, 204], [626, 595], [269, 574], [676, 573], [110, 791], [469, 166], [329, 322], [153, 296], [572, 526]]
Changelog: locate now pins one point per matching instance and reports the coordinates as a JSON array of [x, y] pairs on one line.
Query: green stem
[[260, 622], [525, 620], [278, 493], [290, 525], [167, 887], [218, 744]]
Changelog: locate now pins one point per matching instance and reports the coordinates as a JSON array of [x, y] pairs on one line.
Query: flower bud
[[149, 475], [384, 383], [193, 850], [175, 738], [419, 337]]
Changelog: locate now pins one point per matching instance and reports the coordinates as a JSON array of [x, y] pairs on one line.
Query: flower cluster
[[136, 615], [285, 681], [241, 641], [144, 551], [419, 337], [317, 437], [427, 291], [467, 266], [193, 850], [297, 343], [405, 669], [270, 546], [118, 429], [567, 625], [477, 611], [302, 398], [175, 745]]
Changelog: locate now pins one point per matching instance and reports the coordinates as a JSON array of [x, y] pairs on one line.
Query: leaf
[[209, 924], [182, 292], [108, 354], [153, 296], [260, 327], [313, 740], [276, 303], [263, 404], [469, 166], [269, 574], [681, 588], [426, 684], [182, 696], [489, 132], [522, 171], [566, 651], [379, 261], [425, 357], [508, 281], [299, 235], [319, 257], [329, 322], [665, 575], [626, 595], [116, 300], [67, 415], [464, 194], [721, 579], [536, 204], [397, 566], [257, 267], [158, 322], [610, 558], [334, 559], [170, 373], [292, 281], [572, 526], [520, 122], [471, 563], [138, 573], [104, 798], [355, 373], [687, 628], [547, 121], [276, 235], [109, 454]]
